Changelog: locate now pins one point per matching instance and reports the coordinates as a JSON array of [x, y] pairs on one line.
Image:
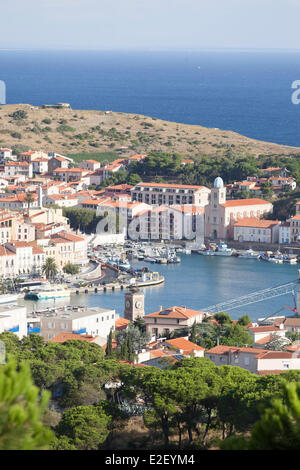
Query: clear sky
[[150, 24]]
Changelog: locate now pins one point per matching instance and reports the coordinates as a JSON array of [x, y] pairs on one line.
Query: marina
[[197, 282]]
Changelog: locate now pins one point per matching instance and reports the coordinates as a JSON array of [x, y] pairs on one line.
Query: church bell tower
[[134, 305]]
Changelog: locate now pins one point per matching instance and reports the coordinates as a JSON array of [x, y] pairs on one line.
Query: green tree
[[222, 318], [85, 426], [244, 320], [21, 411], [109, 348], [70, 268], [278, 427]]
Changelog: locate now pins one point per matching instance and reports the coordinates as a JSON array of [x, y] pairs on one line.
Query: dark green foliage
[[85, 426], [82, 219], [70, 268]]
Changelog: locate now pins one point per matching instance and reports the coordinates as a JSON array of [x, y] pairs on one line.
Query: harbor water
[[198, 282]]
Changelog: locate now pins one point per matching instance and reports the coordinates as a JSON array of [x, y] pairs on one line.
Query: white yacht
[[249, 254]]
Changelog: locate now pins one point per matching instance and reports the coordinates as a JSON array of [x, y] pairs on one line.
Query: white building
[[257, 361], [86, 321], [170, 194], [285, 232], [256, 230], [13, 319]]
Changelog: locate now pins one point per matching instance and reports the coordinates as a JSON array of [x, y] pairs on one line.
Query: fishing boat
[[52, 293], [290, 260], [223, 250]]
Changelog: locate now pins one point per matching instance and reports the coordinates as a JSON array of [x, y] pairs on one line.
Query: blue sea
[[247, 92]]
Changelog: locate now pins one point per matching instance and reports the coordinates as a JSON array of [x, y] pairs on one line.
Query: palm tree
[[50, 268], [29, 199]]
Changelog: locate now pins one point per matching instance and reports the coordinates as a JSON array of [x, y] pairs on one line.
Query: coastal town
[[71, 230]]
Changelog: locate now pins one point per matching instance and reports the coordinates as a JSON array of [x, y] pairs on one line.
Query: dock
[[115, 286]]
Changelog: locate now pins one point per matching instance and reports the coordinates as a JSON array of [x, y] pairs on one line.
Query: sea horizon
[[245, 91]]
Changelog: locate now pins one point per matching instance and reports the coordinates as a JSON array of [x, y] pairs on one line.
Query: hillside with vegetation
[[108, 134]]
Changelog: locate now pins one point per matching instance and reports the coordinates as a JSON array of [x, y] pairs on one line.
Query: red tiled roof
[[175, 312], [264, 340], [244, 202], [226, 349], [257, 223], [184, 344], [121, 323], [262, 329], [276, 355], [62, 337]]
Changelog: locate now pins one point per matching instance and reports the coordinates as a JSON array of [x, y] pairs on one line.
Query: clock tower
[[134, 305]]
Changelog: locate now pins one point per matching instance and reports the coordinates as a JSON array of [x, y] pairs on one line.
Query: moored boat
[[52, 293]]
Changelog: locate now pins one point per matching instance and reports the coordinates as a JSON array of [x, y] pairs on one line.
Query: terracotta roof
[[257, 223], [61, 159], [184, 345], [69, 170], [226, 349], [245, 202], [276, 355], [264, 340], [17, 164], [262, 329], [121, 323], [158, 353], [119, 186], [292, 347], [175, 312], [62, 337]]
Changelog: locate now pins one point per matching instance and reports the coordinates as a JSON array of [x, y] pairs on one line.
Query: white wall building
[[13, 319], [88, 321]]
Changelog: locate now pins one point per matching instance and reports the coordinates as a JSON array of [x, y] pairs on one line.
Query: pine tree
[[193, 336], [130, 351], [21, 411], [109, 349]]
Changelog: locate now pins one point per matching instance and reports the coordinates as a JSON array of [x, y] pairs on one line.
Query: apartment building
[[18, 168], [94, 321], [171, 222], [170, 194], [17, 258], [256, 230]]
